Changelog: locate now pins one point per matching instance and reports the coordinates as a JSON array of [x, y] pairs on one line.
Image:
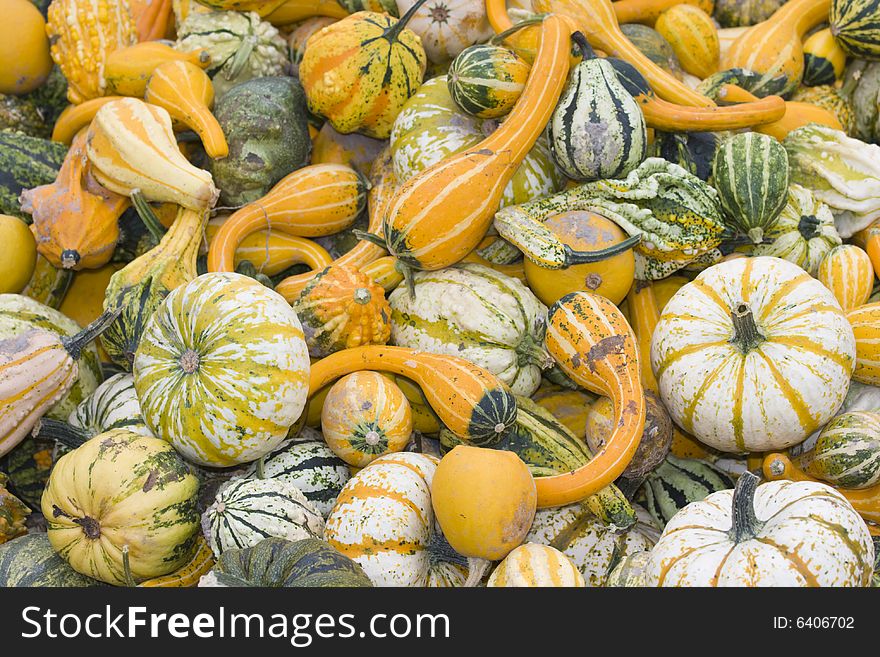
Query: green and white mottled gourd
[[676, 482], [19, 313], [113, 405], [430, 127], [677, 216], [750, 173], [309, 465], [245, 511], [593, 547], [30, 561], [597, 130], [847, 452], [629, 571], [477, 313], [486, 80], [803, 233]]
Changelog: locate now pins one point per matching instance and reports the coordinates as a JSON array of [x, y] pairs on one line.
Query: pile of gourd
[[439, 293]]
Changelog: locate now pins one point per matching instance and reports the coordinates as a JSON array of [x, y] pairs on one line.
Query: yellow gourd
[[692, 35], [24, 47], [20, 254], [128, 70]]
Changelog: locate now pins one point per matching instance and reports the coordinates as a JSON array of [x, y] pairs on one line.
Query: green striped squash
[[678, 482], [19, 313], [310, 466], [654, 46], [28, 466], [855, 25], [824, 59], [692, 151], [597, 130], [25, 162], [750, 173], [30, 561], [486, 80], [803, 233], [476, 313], [847, 452], [245, 511], [113, 405]]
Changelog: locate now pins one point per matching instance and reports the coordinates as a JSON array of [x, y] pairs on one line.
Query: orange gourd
[[76, 117], [871, 245], [865, 322], [128, 70], [648, 11], [383, 273], [152, 18], [796, 113], [693, 37], [847, 271]]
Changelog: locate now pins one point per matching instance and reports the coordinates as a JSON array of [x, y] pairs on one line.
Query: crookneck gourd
[[128, 70]]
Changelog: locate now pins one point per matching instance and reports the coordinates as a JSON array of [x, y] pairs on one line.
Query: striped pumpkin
[[479, 314], [865, 323], [113, 405], [856, 27], [365, 416], [130, 491], [847, 452], [221, 369], [597, 130], [486, 80], [19, 313], [847, 271], [803, 233], [532, 565], [245, 511], [30, 561], [590, 544], [309, 465], [693, 37], [676, 482], [383, 520], [750, 173], [753, 355], [824, 59], [446, 27]]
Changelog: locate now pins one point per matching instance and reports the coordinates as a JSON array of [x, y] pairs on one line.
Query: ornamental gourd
[[221, 369], [30, 561], [122, 508], [781, 533], [847, 452], [533, 565], [693, 37], [597, 129], [486, 80], [753, 355], [19, 267], [865, 321], [446, 27], [127, 70], [13, 514], [846, 270], [855, 27], [113, 405], [824, 59], [677, 482], [358, 72]]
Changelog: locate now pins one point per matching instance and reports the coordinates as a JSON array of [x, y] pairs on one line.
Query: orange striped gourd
[[316, 200], [692, 35], [383, 273], [846, 270], [871, 238], [152, 18], [865, 322], [128, 70], [797, 114], [187, 93], [471, 401], [365, 415], [382, 186], [593, 344], [440, 215]]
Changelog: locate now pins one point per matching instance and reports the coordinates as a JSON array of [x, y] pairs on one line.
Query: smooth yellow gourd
[[19, 254], [24, 47]]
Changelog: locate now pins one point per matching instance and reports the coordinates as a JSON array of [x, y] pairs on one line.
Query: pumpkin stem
[[408, 278], [745, 522], [440, 551], [242, 55], [583, 45], [393, 31], [74, 345], [745, 332], [501, 36], [756, 234], [808, 227], [145, 212], [573, 257], [369, 237], [531, 352], [126, 567], [261, 467], [61, 432], [362, 296]]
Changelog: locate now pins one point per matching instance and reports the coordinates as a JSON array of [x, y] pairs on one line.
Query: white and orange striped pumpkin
[[383, 520], [222, 369], [753, 355], [365, 415], [446, 27], [782, 533], [533, 565], [846, 270], [865, 322]]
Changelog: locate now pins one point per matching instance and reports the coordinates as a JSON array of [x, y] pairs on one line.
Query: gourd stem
[[573, 257], [74, 345], [369, 237], [501, 36], [745, 331], [756, 234], [62, 432], [145, 212], [439, 550], [808, 227], [582, 44], [476, 569], [261, 464], [745, 523], [408, 278], [392, 32], [126, 567], [242, 55], [531, 352]]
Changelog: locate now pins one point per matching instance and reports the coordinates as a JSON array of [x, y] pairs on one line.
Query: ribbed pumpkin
[[754, 354], [299, 37], [855, 27], [365, 415], [476, 313], [847, 452], [113, 405], [358, 72], [803, 233], [342, 308], [246, 511], [486, 80], [597, 129], [446, 27], [846, 270], [532, 565], [750, 173], [693, 37], [677, 482], [122, 508], [865, 322], [221, 369], [824, 59], [30, 561]]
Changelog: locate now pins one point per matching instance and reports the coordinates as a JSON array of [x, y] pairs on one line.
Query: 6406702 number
[[814, 622]]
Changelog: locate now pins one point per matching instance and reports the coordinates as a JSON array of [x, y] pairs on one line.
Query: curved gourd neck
[[803, 14]]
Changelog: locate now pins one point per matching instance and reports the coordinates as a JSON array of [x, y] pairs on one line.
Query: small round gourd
[[20, 254], [847, 452], [24, 48], [824, 59], [486, 80], [693, 36], [533, 565], [847, 271], [856, 27], [366, 415], [446, 27]]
